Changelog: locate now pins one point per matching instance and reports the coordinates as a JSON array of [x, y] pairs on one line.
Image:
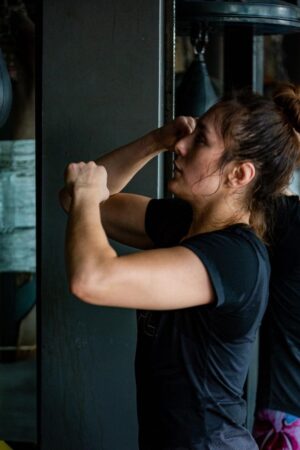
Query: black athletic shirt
[[191, 364], [279, 385]]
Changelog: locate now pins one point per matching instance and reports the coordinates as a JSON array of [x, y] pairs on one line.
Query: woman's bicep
[[123, 218], [162, 279]]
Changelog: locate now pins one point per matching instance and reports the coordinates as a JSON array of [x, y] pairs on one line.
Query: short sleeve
[[236, 262], [167, 221]]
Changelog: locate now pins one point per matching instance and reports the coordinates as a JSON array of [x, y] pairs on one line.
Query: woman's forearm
[[123, 163]]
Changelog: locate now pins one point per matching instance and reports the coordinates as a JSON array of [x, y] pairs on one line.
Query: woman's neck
[[212, 218]]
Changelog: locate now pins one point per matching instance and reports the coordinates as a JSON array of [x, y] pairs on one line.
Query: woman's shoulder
[[239, 233], [236, 242], [245, 233]]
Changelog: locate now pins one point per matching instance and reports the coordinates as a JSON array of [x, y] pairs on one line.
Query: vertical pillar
[[101, 88]]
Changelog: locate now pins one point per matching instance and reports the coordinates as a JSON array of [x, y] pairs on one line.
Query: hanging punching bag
[[195, 94], [5, 91]]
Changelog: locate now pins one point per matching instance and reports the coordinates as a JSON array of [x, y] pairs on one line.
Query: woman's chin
[[172, 186]]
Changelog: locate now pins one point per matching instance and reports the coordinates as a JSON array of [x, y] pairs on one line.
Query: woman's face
[[197, 173]]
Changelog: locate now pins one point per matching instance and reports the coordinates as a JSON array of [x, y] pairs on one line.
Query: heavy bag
[[5, 91]]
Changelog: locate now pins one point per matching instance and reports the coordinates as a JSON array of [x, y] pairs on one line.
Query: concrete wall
[[101, 86]]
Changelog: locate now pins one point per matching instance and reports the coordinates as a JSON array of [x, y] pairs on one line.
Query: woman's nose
[[182, 146]]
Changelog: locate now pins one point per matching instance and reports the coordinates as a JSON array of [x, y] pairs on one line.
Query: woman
[[202, 297]]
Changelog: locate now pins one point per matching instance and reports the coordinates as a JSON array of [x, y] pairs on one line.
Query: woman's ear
[[241, 174]]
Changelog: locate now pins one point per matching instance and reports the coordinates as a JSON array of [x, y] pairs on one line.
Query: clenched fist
[[167, 136], [87, 179]]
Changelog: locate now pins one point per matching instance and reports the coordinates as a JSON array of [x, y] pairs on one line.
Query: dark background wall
[[101, 87]]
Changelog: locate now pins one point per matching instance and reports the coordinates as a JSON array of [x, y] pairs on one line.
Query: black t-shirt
[[191, 364], [279, 376]]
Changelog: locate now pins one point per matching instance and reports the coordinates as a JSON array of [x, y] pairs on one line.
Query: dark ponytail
[[287, 99]]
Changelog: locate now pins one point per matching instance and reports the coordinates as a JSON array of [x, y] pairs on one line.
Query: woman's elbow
[[92, 284], [86, 289], [78, 288]]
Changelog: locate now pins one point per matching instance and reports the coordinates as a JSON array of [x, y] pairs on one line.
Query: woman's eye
[[199, 139]]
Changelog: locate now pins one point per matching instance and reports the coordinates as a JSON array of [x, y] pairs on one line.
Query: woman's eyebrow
[[201, 124], [201, 127]]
